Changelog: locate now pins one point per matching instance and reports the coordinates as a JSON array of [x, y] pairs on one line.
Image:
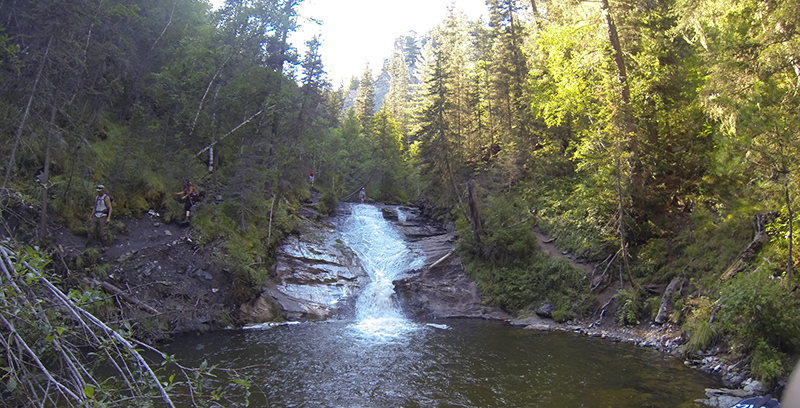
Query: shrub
[[516, 286], [756, 306], [629, 309], [702, 333], [651, 306], [768, 363], [327, 203], [562, 316]]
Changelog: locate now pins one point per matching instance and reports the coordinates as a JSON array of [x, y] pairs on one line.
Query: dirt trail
[[160, 265], [547, 245], [136, 235]]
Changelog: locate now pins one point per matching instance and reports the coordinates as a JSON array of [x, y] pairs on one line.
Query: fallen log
[[113, 290], [748, 254], [442, 259]]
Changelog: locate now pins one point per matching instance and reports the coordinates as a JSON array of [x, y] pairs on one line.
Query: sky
[[356, 32]]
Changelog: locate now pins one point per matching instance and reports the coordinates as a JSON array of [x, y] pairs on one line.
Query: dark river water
[[379, 358], [454, 363]]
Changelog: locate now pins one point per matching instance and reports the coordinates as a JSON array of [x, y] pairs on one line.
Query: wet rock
[[753, 387], [314, 278], [733, 379], [723, 397], [535, 323], [389, 213]]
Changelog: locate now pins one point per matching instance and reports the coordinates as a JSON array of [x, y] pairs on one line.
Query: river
[[379, 358]]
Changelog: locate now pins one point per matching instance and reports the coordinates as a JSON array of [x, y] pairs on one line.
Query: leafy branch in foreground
[[45, 335]]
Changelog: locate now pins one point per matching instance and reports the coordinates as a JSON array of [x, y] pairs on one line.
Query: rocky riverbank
[[667, 339]]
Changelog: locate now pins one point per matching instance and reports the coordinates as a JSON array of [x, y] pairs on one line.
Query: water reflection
[[452, 363]]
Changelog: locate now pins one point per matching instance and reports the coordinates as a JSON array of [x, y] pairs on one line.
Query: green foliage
[[714, 241], [629, 306], [51, 335], [508, 231], [702, 333], [561, 316], [651, 306], [327, 202], [756, 307], [575, 217], [768, 364], [517, 286]]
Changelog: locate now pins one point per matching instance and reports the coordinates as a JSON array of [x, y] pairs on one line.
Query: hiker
[[311, 178], [362, 195], [99, 217], [188, 195]]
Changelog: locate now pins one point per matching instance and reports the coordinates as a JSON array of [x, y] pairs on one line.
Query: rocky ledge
[[315, 278], [440, 288]]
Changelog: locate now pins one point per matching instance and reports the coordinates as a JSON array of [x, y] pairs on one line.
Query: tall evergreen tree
[[436, 145], [398, 99], [365, 101]]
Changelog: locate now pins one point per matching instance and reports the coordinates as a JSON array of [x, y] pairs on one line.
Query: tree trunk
[[625, 94], [535, 14], [18, 135], [474, 213], [45, 180], [791, 230], [284, 46]]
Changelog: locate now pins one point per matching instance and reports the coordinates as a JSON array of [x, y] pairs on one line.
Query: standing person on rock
[[188, 195], [99, 217], [362, 195]]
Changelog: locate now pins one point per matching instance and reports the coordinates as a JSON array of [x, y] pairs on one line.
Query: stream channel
[[379, 358]]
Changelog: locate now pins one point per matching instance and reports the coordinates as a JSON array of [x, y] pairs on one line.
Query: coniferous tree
[[751, 50], [436, 147], [365, 101], [398, 99]]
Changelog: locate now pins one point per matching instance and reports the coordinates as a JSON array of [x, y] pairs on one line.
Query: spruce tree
[[365, 101]]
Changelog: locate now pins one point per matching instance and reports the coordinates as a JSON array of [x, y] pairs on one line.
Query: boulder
[[546, 310]]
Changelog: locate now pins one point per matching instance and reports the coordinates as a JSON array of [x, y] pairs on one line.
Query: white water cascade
[[383, 253]]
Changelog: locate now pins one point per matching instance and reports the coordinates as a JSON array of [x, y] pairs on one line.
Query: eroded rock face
[[441, 288], [315, 277]]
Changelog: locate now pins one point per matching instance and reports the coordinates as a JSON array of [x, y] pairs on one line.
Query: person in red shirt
[[188, 195]]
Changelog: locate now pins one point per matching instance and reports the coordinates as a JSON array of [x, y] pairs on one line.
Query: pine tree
[[436, 147], [365, 101], [398, 100]]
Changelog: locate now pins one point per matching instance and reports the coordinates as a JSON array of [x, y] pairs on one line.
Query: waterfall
[[383, 253]]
